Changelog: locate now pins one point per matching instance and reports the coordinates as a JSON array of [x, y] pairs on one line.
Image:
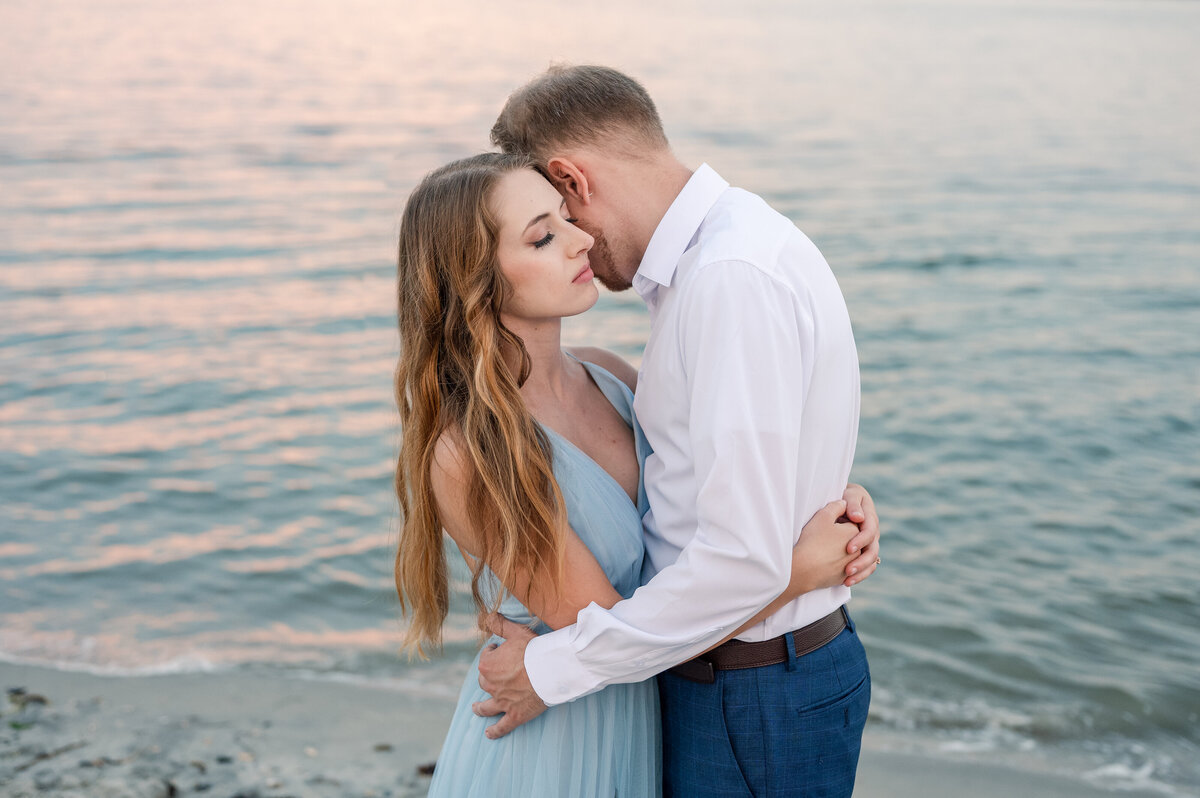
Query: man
[[749, 396]]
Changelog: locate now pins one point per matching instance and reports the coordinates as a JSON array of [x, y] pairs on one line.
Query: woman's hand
[[860, 509], [820, 558], [833, 550]]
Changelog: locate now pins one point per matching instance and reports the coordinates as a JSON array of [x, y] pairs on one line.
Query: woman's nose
[[585, 241]]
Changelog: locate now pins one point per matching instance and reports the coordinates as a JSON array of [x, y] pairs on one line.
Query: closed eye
[[543, 241]]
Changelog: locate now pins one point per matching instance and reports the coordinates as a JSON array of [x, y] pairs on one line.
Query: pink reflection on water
[[171, 548], [269, 434], [17, 549], [353, 504], [123, 647], [285, 303], [299, 562]]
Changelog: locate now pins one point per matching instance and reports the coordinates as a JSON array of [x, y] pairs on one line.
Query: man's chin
[[613, 282], [603, 264]]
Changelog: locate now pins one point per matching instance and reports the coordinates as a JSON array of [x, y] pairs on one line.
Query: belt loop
[[789, 640], [846, 615]]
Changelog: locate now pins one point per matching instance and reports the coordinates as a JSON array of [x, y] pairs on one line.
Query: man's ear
[[569, 179]]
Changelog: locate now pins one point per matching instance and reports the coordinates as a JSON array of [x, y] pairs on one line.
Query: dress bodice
[[598, 508]]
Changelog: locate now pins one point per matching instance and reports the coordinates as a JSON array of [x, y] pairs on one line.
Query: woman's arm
[[583, 581]]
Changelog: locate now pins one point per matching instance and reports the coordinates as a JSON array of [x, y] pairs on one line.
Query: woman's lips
[[584, 275]]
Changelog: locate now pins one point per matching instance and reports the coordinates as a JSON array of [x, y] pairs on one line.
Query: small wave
[[190, 663], [1126, 776], [66, 156], [435, 680], [176, 485], [415, 685], [318, 131], [1065, 740], [950, 260]]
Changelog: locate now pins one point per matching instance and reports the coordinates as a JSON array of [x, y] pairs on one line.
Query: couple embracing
[[667, 552]]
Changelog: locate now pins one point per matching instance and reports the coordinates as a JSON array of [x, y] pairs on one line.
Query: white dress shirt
[[749, 394]]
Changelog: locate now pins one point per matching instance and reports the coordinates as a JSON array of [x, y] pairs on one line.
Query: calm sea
[[197, 329]]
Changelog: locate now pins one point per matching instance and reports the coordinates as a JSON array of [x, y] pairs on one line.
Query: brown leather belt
[[738, 654]]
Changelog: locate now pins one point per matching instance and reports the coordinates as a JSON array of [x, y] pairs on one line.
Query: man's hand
[[860, 509], [502, 674]]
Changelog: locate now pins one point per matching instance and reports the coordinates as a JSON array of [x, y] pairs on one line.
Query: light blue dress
[[603, 745]]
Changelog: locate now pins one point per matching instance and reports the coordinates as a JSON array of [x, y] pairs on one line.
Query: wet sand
[[238, 735]]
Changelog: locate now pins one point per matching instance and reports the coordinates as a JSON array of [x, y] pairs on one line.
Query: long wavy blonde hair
[[459, 373]]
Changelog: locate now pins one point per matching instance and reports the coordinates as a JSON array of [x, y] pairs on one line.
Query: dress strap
[[615, 391]]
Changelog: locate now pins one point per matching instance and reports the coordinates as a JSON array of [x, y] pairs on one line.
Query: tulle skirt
[[603, 745]]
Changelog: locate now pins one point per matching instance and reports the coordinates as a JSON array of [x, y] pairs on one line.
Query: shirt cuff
[[554, 669]]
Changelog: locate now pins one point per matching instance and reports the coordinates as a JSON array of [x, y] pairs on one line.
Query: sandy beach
[[77, 735]]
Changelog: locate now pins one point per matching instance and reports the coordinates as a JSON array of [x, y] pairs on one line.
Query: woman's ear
[[569, 179]]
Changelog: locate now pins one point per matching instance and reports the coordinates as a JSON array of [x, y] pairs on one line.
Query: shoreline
[[244, 735]]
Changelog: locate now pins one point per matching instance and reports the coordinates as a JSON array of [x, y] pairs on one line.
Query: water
[[197, 335]]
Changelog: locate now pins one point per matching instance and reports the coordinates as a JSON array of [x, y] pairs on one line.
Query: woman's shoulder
[[609, 361], [450, 468], [449, 480]]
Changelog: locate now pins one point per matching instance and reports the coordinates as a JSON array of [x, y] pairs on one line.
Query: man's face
[[614, 267]]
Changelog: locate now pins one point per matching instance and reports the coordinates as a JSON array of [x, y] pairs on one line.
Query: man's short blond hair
[[578, 105]]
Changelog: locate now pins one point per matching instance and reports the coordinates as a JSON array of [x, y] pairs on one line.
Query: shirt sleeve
[[745, 340]]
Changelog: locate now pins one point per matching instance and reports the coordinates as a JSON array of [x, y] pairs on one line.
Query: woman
[[529, 457]]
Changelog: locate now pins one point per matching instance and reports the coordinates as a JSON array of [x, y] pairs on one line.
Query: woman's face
[[542, 255]]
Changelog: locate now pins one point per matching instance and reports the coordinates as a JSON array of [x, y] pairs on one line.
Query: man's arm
[[827, 552], [744, 429]]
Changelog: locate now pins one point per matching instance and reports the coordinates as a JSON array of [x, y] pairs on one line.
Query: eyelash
[[549, 237]]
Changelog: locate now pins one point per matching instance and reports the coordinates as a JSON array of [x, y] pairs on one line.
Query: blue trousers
[[790, 730]]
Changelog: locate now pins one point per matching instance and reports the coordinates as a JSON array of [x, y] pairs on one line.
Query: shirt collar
[[677, 229]]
